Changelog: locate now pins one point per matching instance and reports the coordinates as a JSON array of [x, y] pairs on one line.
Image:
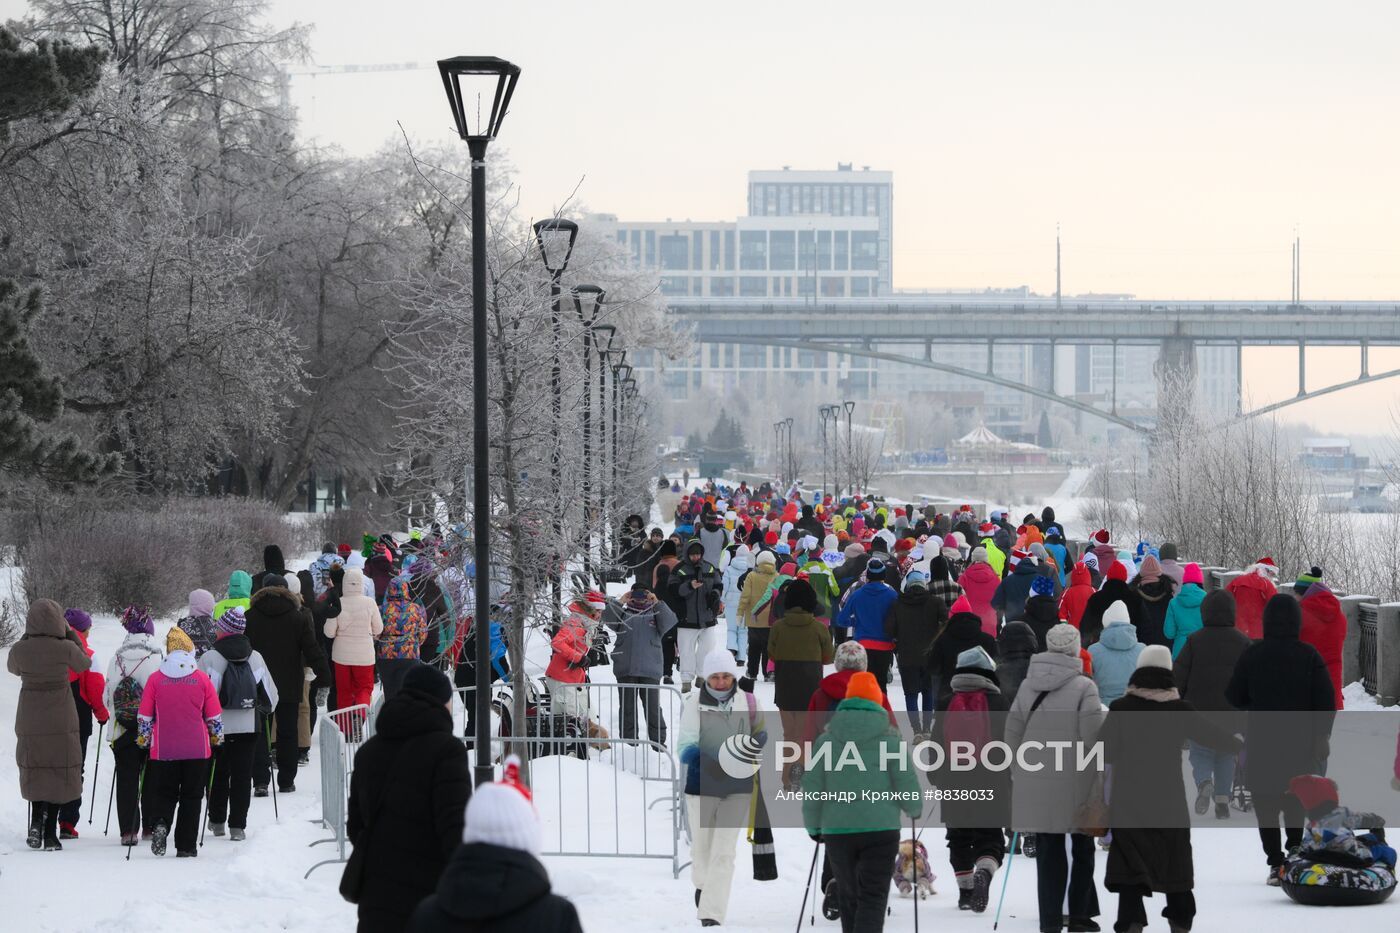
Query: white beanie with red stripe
[[501, 813]]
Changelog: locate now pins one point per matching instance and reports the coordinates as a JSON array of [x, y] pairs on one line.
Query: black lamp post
[[587, 300], [556, 237], [469, 81], [620, 370], [778, 450], [850, 462], [604, 335], [791, 460]]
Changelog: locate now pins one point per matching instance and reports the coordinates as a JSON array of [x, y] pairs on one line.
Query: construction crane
[[286, 73]]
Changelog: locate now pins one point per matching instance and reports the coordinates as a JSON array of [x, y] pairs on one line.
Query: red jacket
[[824, 699], [1076, 595], [1251, 592], [91, 683], [1325, 628], [570, 646]]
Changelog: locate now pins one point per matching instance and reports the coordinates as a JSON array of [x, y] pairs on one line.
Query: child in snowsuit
[[178, 722]]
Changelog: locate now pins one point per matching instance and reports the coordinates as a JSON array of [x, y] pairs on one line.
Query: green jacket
[[839, 800], [824, 582], [799, 636]]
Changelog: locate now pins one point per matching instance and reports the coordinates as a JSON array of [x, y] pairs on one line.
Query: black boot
[[964, 898], [831, 907], [51, 843], [36, 825]]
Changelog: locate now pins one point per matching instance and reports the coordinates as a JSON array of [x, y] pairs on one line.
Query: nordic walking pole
[[1006, 876], [136, 817], [807, 889], [111, 795], [96, 770], [208, 793], [816, 880], [275, 815], [913, 831]]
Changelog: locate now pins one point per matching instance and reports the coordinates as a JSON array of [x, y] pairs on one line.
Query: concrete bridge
[[858, 326]]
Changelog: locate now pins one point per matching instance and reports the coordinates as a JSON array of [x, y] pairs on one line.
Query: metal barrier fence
[[340, 734], [1368, 616]]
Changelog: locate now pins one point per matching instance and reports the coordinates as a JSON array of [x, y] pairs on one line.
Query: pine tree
[[31, 399], [43, 79], [1043, 436]]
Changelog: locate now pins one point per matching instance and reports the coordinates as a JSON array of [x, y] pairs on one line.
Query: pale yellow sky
[[1178, 146]]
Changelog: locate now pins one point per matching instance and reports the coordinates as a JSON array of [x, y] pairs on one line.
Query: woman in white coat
[[352, 646]]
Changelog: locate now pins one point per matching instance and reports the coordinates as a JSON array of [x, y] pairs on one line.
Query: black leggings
[[758, 652], [1268, 808], [131, 760], [233, 779]]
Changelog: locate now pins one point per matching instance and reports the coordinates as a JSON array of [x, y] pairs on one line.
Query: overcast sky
[[1179, 146]]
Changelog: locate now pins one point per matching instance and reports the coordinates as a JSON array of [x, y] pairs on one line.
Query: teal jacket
[[1183, 616], [865, 798]]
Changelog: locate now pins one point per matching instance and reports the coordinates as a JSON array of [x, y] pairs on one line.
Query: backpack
[[971, 722], [126, 696], [238, 688]]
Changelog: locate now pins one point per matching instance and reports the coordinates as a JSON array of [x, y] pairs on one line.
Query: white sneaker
[[216, 828]]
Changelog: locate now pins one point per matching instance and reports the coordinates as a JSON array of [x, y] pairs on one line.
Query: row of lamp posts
[[471, 82]]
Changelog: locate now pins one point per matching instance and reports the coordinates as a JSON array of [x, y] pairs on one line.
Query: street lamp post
[[556, 237], [850, 407], [587, 300], [622, 371], [826, 413], [778, 450], [791, 462], [604, 335], [495, 79]]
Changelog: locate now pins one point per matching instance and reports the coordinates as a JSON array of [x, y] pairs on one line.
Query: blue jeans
[[738, 639], [1208, 764]]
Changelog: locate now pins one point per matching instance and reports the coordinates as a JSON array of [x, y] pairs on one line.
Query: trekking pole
[[111, 795], [913, 831], [275, 815], [208, 793], [136, 816], [96, 771], [1006, 876], [816, 896], [807, 889]]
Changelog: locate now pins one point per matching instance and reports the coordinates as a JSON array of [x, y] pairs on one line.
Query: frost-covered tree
[[44, 78]]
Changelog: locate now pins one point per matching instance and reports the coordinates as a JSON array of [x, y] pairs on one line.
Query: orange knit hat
[[864, 686]]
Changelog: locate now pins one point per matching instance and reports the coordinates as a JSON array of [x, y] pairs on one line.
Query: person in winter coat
[[1016, 645], [823, 580], [645, 558], [912, 623], [408, 791], [568, 659], [399, 644], [667, 559], [1044, 802], [1202, 672], [1147, 792], [854, 559], [425, 590], [864, 613], [1115, 654], [862, 832], [1115, 589], [942, 585], [1184, 611], [279, 627], [1040, 611], [1156, 590], [1171, 567], [1011, 594], [240, 591], [717, 802], [1324, 624], [352, 647], [1280, 673], [712, 538], [87, 688], [199, 622], [963, 631], [1251, 590], [737, 634], [751, 597], [697, 586], [495, 881], [138, 657], [380, 569], [179, 723], [1076, 596], [973, 714], [242, 683], [641, 622], [979, 583], [46, 720], [800, 647]]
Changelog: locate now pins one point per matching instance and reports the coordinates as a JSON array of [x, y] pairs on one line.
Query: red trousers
[[354, 683]]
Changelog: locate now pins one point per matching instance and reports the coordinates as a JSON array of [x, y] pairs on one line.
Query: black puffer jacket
[[1207, 660], [1041, 615], [963, 631], [1155, 597], [492, 889], [1016, 643], [280, 629], [912, 623], [1091, 623], [408, 792]]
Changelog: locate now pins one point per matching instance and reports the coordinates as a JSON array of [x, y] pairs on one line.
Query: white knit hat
[[501, 814], [1117, 612], [1155, 656], [718, 661], [1063, 639]]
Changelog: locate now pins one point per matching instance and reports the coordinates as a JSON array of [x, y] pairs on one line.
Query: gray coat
[[46, 720], [1046, 800], [640, 622]]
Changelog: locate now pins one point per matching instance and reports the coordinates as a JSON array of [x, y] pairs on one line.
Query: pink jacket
[[979, 582], [180, 710]]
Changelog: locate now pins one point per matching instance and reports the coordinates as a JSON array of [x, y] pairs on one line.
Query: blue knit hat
[[1042, 586]]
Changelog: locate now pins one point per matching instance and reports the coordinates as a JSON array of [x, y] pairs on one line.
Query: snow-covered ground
[[258, 884]]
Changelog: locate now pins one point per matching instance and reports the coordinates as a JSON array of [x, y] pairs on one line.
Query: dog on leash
[[911, 870]]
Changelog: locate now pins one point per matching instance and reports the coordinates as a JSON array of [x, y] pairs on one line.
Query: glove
[[103, 722], [815, 837], [143, 740], [690, 755], [761, 737], [323, 696], [215, 740]]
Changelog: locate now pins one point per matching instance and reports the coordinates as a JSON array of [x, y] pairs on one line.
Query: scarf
[[1157, 695]]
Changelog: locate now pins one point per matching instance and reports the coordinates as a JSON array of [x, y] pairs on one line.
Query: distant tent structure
[[982, 445]]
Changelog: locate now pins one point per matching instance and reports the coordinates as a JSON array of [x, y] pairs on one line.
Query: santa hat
[[595, 600], [1100, 536], [961, 604], [1019, 554], [501, 813], [987, 529], [1265, 566], [904, 544], [343, 550]]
